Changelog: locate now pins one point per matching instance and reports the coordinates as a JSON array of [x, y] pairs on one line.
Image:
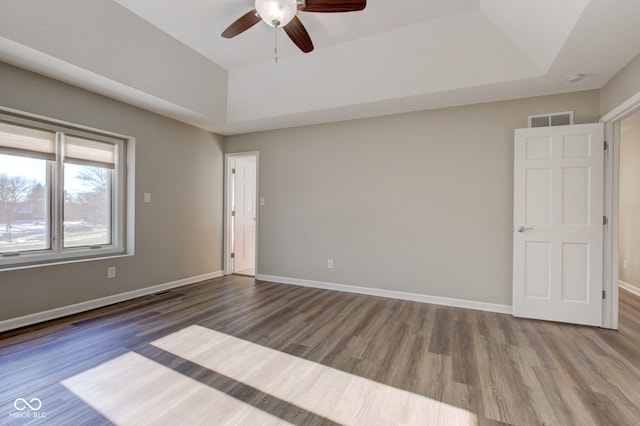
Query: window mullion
[[58, 195], [49, 202]]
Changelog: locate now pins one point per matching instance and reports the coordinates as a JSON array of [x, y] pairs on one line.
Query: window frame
[[121, 196]]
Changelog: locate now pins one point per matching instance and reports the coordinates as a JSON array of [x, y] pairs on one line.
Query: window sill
[[38, 261]]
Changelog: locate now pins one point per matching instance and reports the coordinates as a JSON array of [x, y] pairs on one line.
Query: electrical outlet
[[111, 272], [330, 263], [625, 263]]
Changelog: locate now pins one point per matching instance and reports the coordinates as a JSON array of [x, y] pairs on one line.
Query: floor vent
[[162, 293], [551, 119]]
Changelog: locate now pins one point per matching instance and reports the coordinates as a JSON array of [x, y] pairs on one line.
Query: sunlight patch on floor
[[134, 390], [334, 394]]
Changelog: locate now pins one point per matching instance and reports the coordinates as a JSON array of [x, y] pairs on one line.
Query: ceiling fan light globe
[[276, 13]]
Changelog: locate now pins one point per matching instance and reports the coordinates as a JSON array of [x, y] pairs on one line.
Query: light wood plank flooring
[[239, 351]]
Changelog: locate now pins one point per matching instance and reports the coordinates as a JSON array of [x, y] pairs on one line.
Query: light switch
[[262, 201], [147, 197]]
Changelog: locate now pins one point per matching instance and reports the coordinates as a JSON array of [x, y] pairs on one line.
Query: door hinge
[[605, 221], [233, 171], [233, 212], [233, 255], [606, 145], [604, 294]]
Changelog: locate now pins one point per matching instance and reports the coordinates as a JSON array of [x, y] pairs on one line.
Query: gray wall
[[621, 86], [629, 235], [178, 235], [418, 202]]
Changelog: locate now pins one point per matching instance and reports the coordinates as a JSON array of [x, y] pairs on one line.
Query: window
[[61, 192]]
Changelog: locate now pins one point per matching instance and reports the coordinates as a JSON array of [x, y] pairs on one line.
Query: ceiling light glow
[[276, 13]]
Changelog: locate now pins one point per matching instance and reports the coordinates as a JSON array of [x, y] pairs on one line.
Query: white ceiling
[[395, 56], [207, 19]]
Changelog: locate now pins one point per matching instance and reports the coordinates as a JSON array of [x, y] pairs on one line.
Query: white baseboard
[[629, 287], [414, 297], [13, 323]]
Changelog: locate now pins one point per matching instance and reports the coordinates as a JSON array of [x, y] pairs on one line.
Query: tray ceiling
[[393, 57]]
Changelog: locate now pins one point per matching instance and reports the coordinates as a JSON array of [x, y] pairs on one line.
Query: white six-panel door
[[558, 223]]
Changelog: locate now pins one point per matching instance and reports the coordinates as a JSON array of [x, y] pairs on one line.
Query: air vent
[[551, 119]]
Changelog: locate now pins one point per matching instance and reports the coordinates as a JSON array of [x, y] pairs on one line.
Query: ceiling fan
[[282, 13]]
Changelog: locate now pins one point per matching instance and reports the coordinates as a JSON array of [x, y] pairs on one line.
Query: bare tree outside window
[[14, 191], [37, 199], [96, 199], [22, 213], [87, 218]]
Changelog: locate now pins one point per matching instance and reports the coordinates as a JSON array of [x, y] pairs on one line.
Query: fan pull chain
[[276, 48]]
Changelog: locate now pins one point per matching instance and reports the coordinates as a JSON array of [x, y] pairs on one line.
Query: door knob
[[523, 229]]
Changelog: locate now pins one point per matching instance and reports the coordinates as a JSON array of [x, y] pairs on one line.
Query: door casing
[[611, 121], [228, 205]]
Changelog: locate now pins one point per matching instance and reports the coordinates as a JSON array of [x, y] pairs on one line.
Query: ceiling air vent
[[551, 119]]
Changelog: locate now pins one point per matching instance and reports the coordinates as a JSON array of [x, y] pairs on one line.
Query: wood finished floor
[[455, 365]]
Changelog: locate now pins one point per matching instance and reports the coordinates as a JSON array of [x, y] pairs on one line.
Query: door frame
[[611, 121], [228, 191]]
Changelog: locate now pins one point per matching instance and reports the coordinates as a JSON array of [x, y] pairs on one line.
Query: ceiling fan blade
[[299, 35], [332, 6], [242, 24]]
